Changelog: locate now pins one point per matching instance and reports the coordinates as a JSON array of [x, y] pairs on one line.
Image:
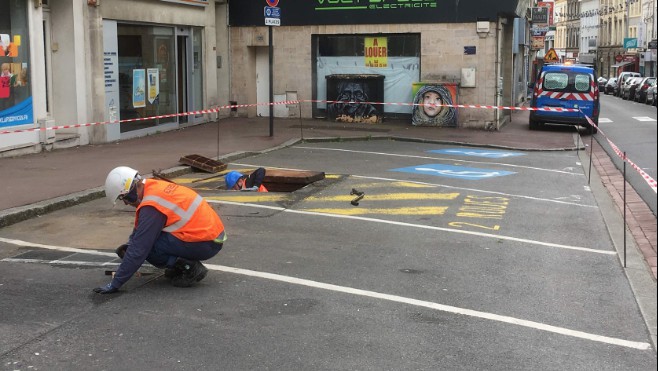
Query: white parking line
[[644, 118], [403, 300], [436, 158], [604, 120]]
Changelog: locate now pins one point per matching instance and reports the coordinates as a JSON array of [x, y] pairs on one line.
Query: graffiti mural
[[428, 107], [353, 96]]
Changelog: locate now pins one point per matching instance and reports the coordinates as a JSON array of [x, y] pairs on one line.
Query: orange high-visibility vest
[[189, 217], [262, 189]]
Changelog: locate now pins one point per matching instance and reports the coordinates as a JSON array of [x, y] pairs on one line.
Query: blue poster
[[488, 153], [20, 114], [458, 172], [139, 88]]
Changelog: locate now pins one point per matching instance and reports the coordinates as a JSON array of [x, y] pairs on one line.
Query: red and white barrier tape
[[552, 109], [647, 178], [217, 109]]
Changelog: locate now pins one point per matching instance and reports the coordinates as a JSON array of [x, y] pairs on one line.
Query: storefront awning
[[622, 64]]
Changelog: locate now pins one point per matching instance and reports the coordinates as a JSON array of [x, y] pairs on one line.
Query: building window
[[15, 69], [147, 85]]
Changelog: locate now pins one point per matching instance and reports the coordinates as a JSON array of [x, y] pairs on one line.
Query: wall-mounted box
[[468, 77]]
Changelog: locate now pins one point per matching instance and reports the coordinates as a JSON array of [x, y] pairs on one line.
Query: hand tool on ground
[[359, 196]]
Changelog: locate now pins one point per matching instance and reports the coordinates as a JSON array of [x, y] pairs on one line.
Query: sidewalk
[[38, 183]]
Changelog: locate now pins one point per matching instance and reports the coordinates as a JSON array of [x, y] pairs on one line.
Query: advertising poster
[[376, 52], [154, 84], [429, 99], [139, 88]]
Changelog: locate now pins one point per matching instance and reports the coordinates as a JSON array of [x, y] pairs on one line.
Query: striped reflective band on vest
[[184, 215]]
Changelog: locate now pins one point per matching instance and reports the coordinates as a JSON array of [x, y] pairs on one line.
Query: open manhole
[[277, 180]]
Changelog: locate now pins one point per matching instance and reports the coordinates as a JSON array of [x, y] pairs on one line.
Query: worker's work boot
[[191, 271], [172, 272]]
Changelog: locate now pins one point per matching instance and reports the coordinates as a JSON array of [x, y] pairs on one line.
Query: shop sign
[[540, 16], [549, 6], [630, 42], [537, 42]]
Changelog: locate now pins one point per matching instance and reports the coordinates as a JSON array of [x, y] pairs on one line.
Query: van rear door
[[567, 88]]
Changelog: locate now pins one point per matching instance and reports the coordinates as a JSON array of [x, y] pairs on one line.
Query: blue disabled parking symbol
[[477, 152], [449, 171]]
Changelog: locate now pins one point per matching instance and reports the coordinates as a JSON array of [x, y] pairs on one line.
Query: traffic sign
[[272, 12], [272, 21], [551, 56], [272, 3]]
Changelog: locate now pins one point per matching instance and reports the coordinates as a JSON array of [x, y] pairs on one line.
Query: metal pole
[[301, 122], [591, 154], [271, 83], [624, 209]]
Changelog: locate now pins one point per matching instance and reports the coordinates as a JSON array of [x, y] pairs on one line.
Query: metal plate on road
[[460, 172], [477, 152]]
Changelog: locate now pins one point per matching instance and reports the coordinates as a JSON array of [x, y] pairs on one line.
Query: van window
[[556, 81], [582, 82], [566, 82]]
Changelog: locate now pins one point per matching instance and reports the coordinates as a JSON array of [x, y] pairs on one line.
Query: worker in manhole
[[175, 229], [239, 182]]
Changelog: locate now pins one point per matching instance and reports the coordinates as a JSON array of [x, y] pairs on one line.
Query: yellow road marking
[[253, 197], [184, 180], [393, 184], [424, 210], [389, 197]]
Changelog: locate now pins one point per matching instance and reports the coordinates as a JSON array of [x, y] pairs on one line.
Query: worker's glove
[[251, 189], [121, 250], [107, 289]]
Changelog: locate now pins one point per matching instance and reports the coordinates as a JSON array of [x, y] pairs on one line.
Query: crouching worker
[[239, 182], [175, 228]]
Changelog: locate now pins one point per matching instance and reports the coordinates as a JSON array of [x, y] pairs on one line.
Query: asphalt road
[[631, 127], [456, 258]]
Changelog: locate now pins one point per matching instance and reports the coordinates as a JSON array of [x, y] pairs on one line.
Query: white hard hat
[[119, 181]]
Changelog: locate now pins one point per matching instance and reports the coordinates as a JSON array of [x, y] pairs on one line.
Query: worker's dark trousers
[[168, 248]]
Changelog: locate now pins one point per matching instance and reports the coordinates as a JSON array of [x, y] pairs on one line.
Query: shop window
[[407, 45], [15, 69], [147, 86]]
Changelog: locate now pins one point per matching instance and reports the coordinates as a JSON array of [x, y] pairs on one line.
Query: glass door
[[190, 74]]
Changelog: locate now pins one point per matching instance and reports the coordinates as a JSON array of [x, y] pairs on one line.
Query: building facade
[[589, 32], [97, 62], [467, 45], [108, 70]]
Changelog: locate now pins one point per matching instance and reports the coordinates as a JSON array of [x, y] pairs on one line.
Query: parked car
[[601, 81], [651, 94], [565, 86], [621, 80], [610, 86], [625, 90], [632, 87], [641, 90]]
